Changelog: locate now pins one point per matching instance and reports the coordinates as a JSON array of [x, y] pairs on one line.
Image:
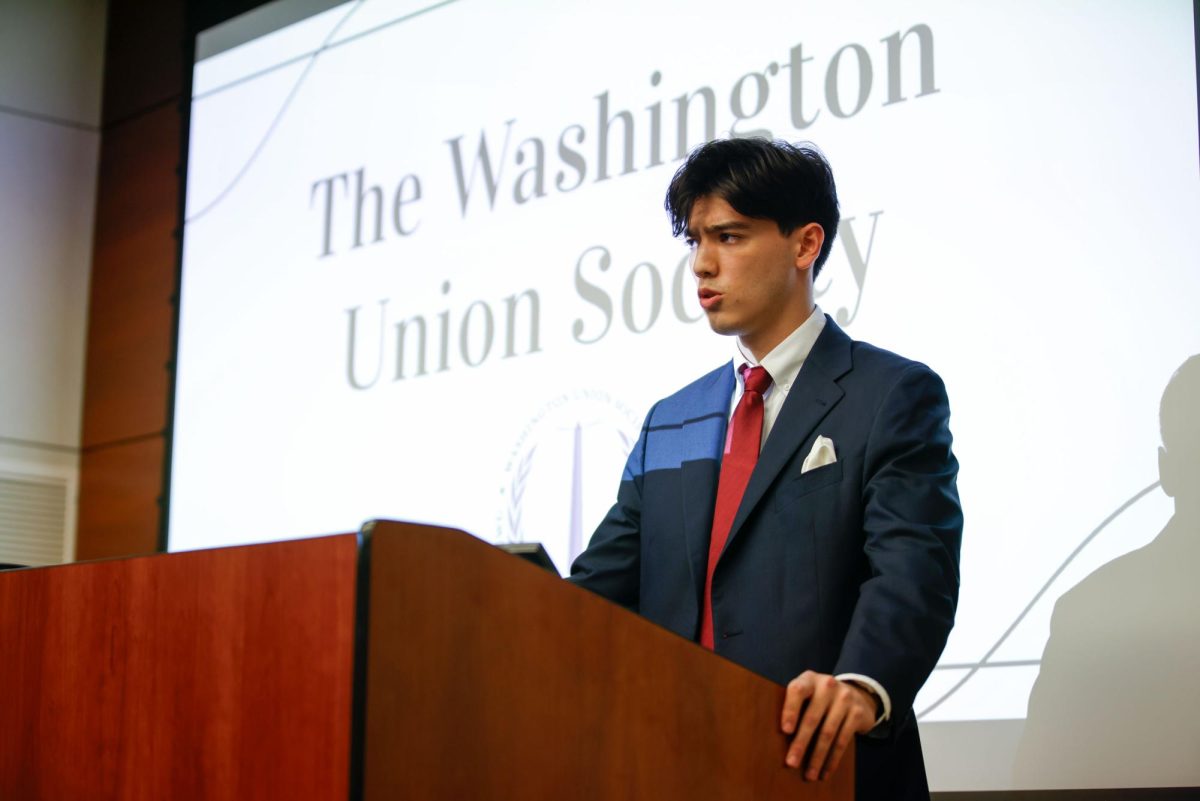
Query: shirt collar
[[784, 361]]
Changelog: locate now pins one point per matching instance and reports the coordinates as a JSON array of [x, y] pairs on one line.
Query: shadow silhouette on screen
[[1115, 703]]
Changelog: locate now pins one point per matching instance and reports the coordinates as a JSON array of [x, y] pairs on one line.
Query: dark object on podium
[[405, 662], [6, 566], [532, 552]]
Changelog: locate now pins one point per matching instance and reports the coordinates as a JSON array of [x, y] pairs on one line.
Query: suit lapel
[[814, 393]]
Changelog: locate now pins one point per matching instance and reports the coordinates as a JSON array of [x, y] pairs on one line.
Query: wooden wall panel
[[134, 266], [119, 490], [133, 279]]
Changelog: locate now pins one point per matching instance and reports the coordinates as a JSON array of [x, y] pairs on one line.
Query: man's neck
[[761, 346]]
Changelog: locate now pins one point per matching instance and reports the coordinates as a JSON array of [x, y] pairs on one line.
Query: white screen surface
[[1019, 208]]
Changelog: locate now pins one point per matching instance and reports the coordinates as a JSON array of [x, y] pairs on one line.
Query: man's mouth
[[709, 298]]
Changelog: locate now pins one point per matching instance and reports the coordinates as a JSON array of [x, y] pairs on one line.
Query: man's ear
[[808, 240]]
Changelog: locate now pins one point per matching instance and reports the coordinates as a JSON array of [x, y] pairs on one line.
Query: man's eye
[[729, 237], [691, 243]]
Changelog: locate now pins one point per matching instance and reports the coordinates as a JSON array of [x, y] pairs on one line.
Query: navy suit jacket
[[848, 568]]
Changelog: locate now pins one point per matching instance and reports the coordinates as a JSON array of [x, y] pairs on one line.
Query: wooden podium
[[405, 662]]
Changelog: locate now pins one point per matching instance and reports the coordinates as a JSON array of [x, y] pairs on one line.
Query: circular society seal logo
[[563, 471]]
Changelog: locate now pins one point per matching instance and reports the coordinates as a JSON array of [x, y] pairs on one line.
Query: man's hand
[[833, 712]]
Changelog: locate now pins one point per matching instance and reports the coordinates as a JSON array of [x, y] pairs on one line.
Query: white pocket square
[[822, 453]]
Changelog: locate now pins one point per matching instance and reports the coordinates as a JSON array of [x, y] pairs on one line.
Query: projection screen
[[427, 276]]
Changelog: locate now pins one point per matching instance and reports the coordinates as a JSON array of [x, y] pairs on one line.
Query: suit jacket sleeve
[[912, 527]]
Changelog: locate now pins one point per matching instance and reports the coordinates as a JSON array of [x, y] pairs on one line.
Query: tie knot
[[757, 378]]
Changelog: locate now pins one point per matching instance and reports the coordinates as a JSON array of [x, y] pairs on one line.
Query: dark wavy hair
[[791, 185]]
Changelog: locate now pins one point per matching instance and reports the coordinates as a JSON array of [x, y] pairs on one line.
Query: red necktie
[[741, 453]]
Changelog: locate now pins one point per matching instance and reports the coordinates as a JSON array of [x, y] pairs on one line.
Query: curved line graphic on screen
[[328, 44], [287, 101], [1033, 602]]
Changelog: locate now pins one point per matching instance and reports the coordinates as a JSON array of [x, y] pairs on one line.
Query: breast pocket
[[805, 484]]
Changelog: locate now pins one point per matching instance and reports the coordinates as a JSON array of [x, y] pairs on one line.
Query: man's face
[[753, 282]]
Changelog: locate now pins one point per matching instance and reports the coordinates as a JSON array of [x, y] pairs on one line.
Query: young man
[[795, 511]]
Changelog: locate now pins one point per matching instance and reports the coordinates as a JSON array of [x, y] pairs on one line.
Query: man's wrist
[[883, 702]]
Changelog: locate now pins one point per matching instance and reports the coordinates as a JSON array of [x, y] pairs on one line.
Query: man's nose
[[703, 261]]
